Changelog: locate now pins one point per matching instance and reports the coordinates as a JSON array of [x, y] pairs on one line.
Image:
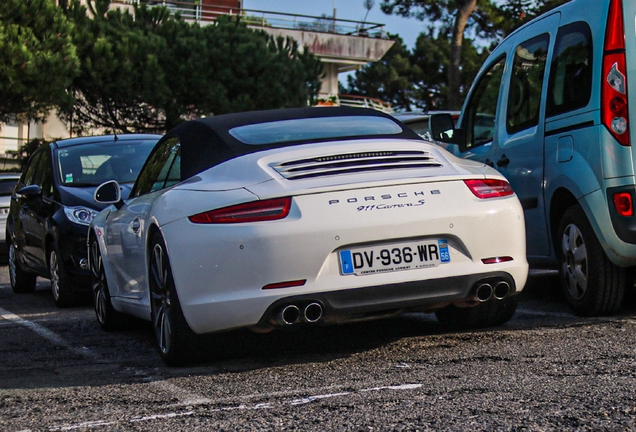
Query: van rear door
[[503, 120]]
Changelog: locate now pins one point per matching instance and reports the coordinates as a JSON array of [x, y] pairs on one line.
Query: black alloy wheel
[[60, 284], [175, 339], [109, 319], [21, 281]]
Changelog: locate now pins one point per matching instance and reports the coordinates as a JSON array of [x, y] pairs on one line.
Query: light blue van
[[558, 92]]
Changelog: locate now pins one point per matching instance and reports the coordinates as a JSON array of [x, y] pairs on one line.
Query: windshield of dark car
[[94, 164], [319, 128]]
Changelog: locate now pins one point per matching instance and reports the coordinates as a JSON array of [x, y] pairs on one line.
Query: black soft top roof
[[207, 142]]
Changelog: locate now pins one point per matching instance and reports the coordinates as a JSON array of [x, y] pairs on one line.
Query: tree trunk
[[467, 7]]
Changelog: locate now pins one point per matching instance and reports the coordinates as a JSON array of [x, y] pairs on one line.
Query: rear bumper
[[260, 310], [617, 234], [625, 226], [366, 303]]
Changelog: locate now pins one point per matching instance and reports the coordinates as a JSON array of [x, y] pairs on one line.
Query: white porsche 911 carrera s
[[304, 216]]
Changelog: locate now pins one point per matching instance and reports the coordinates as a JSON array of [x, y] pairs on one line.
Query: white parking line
[[47, 334], [257, 406], [184, 397]]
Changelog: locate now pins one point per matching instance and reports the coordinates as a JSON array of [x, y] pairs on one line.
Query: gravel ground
[[545, 370]]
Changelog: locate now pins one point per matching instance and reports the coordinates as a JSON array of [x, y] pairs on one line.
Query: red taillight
[[623, 203], [615, 30], [287, 284], [256, 211], [489, 188], [614, 109], [496, 260]]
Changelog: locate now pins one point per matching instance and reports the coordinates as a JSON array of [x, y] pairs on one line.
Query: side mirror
[[30, 192], [109, 193], [443, 128]]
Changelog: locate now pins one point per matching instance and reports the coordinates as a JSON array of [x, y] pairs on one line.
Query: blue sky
[[407, 28]]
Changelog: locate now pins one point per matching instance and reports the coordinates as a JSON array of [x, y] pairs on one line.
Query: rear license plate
[[394, 257]]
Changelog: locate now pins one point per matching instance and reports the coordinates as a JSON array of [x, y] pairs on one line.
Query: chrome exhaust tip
[[289, 315], [483, 292], [501, 290], [312, 312]]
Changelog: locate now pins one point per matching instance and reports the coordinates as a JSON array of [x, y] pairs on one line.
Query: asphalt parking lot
[[545, 370]]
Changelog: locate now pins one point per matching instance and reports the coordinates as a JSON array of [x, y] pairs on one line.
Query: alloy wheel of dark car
[[21, 281], [60, 285], [174, 337], [109, 319], [591, 283]]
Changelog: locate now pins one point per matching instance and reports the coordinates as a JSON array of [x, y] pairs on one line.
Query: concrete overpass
[[342, 45]]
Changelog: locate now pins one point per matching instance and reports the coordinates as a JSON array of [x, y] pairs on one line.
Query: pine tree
[[149, 71], [39, 60]]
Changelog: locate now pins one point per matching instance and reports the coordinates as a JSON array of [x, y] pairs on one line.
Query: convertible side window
[[480, 113], [163, 168], [526, 84]]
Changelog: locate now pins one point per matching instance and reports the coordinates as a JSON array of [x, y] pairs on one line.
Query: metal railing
[[259, 18], [364, 102]]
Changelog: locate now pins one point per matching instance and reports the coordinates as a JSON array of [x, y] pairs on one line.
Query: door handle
[[489, 163], [135, 225], [503, 161]]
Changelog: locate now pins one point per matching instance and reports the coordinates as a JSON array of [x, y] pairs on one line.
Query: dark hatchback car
[[53, 205]]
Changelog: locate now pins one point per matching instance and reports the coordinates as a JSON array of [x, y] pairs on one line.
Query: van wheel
[[591, 283], [491, 313]]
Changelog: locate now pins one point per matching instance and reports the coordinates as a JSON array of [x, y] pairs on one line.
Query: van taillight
[[614, 108], [623, 204]]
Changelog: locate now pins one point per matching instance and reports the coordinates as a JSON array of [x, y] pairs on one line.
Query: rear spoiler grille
[[351, 163]]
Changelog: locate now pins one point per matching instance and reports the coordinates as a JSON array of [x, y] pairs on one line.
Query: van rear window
[[570, 84]]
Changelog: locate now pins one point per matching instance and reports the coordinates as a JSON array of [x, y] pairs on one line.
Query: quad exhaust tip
[[289, 315], [312, 312], [484, 291], [501, 290], [292, 314]]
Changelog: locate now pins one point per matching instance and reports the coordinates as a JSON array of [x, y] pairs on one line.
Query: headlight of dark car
[[80, 215]]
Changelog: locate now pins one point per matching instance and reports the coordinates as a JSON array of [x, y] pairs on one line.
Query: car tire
[[175, 339], [60, 284], [591, 283], [109, 319], [21, 281], [491, 313]]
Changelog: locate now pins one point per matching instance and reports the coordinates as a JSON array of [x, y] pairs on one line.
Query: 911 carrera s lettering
[[383, 197], [401, 256], [391, 206]]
